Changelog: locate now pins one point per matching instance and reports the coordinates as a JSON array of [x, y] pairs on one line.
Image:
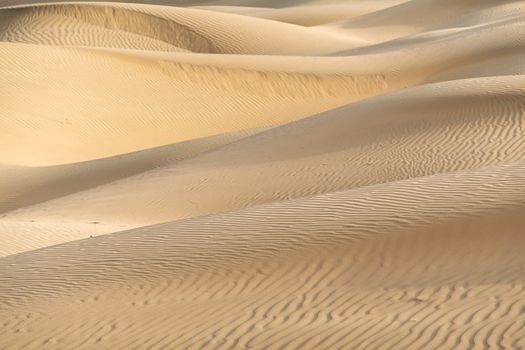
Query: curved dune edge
[[310, 273], [172, 86], [183, 101], [353, 146], [249, 174], [32, 185], [181, 28]]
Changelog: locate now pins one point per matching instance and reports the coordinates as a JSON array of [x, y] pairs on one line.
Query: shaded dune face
[[71, 24], [262, 175]]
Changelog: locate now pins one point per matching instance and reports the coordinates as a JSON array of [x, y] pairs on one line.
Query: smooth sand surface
[[252, 174]]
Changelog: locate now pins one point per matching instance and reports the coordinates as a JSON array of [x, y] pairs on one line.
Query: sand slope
[[418, 132], [375, 266], [262, 175]]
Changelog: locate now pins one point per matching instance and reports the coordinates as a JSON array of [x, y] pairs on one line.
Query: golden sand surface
[[249, 174]]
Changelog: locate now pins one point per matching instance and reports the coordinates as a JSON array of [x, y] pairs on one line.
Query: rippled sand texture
[[249, 174]]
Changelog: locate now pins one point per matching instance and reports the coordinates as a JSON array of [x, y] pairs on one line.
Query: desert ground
[[262, 174]]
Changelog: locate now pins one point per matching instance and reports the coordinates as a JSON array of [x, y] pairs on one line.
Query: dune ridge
[[246, 174]]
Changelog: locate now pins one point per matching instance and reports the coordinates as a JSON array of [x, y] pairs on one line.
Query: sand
[[297, 174]]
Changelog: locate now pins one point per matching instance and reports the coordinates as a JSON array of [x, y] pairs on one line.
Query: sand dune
[[423, 131], [27, 185], [418, 16], [94, 106], [248, 174], [184, 29], [375, 266], [305, 13]]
